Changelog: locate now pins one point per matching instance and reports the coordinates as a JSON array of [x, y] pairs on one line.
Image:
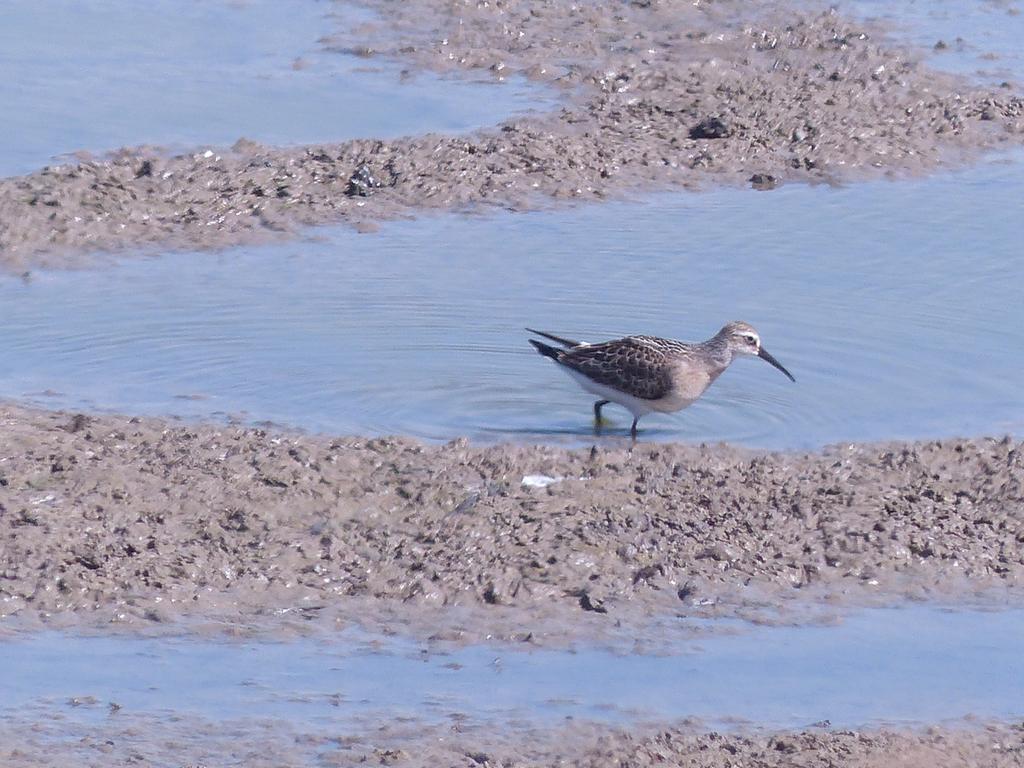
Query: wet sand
[[657, 94], [186, 741], [145, 525], [137, 520]]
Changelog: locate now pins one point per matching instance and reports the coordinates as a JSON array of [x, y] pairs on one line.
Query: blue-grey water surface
[[979, 38], [897, 306], [96, 75], [905, 666]]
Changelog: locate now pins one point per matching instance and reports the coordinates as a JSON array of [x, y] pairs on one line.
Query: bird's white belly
[[635, 405]]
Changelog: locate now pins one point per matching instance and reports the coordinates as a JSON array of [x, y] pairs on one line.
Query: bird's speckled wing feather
[[636, 365]]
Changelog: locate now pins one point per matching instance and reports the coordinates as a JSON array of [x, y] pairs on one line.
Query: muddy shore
[[145, 522], [656, 94], [125, 738]]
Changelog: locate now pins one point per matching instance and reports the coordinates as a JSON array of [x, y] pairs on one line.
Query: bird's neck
[[716, 349]]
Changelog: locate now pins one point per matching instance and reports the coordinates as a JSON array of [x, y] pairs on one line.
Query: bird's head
[[741, 339]]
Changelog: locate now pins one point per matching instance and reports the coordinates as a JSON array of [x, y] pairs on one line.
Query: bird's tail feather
[[558, 339], [544, 349]]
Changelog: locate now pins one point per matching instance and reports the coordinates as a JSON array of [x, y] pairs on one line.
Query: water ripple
[[897, 318]]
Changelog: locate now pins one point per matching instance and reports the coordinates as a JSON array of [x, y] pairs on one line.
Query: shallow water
[[99, 74], [907, 665], [896, 306], [980, 38]]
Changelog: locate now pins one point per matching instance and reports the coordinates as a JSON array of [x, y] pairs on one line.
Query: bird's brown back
[[640, 366]]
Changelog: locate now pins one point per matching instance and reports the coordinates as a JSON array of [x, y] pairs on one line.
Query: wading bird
[[648, 373]]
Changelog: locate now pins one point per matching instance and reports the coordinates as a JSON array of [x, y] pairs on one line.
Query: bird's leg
[[597, 414], [632, 430]]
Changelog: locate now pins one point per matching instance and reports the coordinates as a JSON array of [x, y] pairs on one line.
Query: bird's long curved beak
[[763, 354]]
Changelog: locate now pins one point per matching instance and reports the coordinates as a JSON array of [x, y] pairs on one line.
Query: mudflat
[[127, 738], [656, 94], [145, 521]]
